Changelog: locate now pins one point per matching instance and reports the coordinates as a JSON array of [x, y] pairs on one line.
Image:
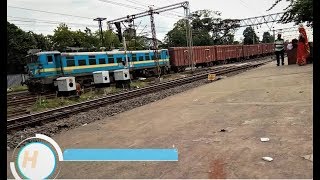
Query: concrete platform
[[270, 101]]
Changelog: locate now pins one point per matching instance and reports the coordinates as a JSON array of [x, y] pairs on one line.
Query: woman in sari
[[303, 50]]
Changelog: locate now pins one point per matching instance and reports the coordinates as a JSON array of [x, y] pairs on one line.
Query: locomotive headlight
[[70, 83]]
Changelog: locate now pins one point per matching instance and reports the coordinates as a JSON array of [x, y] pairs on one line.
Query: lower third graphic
[[39, 157]]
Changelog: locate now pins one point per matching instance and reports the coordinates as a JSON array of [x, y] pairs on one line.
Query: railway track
[[52, 114], [18, 103]]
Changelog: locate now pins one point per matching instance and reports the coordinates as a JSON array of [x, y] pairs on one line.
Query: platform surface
[[269, 101]]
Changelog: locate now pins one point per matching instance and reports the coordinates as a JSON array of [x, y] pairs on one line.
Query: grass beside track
[[43, 103], [17, 89]]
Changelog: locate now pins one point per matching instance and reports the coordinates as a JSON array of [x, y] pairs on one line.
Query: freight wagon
[[210, 55]]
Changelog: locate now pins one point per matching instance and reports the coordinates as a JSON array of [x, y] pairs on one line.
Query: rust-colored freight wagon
[[226, 52], [265, 49], [260, 49], [270, 47], [203, 54], [220, 53], [179, 56], [247, 51]]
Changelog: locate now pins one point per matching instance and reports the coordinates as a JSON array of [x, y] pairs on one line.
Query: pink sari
[[303, 49]]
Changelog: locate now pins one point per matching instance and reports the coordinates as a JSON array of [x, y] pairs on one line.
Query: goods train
[[44, 68]]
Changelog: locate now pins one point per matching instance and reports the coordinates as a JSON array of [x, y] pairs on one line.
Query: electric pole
[[253, 37], [189, 36], [154, 41], [151, 13], [100, 27]]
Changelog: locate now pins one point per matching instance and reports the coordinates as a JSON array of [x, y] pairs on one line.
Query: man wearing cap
[[279, 49]]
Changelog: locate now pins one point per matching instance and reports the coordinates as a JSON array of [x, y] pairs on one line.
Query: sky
[[79, 14]]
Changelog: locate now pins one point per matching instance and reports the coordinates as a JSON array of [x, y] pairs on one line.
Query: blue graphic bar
[[120, 155]]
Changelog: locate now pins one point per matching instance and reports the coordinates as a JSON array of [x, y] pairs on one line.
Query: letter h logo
[[27, 158]]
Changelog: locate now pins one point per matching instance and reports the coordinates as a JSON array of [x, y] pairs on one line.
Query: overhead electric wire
[[47, 21], [42, 11], [131, 6]]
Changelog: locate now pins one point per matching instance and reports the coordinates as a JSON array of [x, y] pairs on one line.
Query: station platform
[[216, 129]]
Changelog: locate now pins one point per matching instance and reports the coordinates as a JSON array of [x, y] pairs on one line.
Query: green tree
[[177, 36], [267, 38], [63, 37], [19, 42], [250, 36], [207, 29], [111, 40], [298, 11], [42, 42]]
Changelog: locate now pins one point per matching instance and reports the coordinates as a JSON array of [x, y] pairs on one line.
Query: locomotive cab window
[[134, 57], [111, 59], [147, 56], [82, 62], [70, 62], [92, 61], [102, 61], [50, 59]]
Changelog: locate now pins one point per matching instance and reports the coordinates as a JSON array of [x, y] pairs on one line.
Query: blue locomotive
[[44, 67]]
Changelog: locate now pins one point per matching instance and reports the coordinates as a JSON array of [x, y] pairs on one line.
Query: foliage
[[63, 37], [177, 36], [19, 42], [134, 41], [207, 29], [250, 36], [111, 40], [298, 11], [267, 38]]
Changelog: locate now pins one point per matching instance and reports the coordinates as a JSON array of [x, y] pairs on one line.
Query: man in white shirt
[[279, 50]]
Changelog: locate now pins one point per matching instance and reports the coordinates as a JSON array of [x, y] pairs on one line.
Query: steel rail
[[51, 114]]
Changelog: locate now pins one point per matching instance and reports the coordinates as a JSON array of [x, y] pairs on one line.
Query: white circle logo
[[36, 161]]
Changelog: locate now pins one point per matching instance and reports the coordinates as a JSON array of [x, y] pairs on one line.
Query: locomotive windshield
[[32, 59]]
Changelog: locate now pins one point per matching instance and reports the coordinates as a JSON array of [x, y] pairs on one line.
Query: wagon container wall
[[265, 49], [229, 51], [204, 54], [212, 53], [255, 49], [270, 48], [260, 49], [208, 54], [220, 53], [245, 51], [198, 55], [239, 52], [201, 54], [235, 51], [177, 56]]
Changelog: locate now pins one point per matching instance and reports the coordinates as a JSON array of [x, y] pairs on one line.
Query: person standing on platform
[[303, 50], [279, 50]]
